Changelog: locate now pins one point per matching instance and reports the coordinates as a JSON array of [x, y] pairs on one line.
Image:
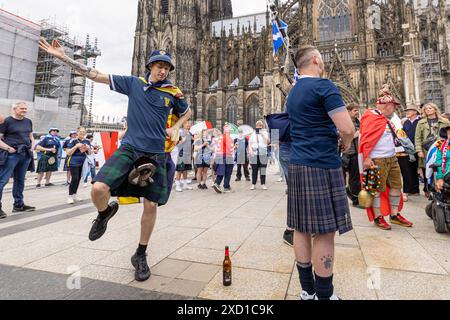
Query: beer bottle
[[227, 268]]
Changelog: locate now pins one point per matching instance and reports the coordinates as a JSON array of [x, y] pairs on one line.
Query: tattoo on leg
[[327, 262], [85, 71]]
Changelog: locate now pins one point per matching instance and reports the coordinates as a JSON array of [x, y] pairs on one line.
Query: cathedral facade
[[227, 69]]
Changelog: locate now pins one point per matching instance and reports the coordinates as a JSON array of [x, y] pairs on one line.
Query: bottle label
[[227, 278]]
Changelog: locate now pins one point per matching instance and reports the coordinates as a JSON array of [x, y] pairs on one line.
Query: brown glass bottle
[[227, 268]]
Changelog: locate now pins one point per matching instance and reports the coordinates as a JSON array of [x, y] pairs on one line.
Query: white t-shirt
[[385, 148], [254, 140]]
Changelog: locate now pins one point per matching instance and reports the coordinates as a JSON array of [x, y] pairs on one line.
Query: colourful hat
[[160, 55], [388, 98]]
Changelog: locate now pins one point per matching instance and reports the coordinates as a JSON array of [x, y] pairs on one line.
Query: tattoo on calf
[[327, 262], [85, 71]]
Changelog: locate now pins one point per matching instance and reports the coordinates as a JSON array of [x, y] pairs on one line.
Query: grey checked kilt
[[317, 201]]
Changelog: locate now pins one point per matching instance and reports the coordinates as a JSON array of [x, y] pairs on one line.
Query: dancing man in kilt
[[151, 100], [317, 200]]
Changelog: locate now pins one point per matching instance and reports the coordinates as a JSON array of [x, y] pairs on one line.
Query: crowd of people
[[322, 148]]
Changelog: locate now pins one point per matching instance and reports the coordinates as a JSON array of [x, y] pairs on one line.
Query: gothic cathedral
[[226, 67]]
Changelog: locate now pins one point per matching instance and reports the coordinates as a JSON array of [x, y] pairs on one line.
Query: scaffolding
[[432, 80], [55, 80]]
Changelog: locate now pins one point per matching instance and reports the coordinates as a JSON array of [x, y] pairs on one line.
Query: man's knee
[[150, 207], [99, 189]]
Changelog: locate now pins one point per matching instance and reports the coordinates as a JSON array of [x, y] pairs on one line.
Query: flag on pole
[[284, 25], [277, 38]]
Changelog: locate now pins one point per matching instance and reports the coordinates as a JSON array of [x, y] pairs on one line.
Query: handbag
[[430, 140]]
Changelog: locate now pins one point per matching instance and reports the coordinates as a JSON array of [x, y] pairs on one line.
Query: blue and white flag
[[284, 25], [296, 76], [277, 38]]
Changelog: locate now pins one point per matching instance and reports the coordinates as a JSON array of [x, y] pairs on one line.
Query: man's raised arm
[[55, 49]]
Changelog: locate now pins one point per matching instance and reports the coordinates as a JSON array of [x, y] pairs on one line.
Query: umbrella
[[199, 127], [246, 130]]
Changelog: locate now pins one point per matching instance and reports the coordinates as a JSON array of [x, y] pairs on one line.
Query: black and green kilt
[[44, 166], [116, 170]]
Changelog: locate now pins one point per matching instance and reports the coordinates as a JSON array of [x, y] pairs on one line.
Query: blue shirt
[[77, 158], [50, 142], [148, 112], [314, 136], [16, 133]]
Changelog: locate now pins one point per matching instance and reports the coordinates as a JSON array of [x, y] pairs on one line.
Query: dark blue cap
[[160, 55]]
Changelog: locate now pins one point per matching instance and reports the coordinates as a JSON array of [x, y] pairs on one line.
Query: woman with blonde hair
[[427, 134]]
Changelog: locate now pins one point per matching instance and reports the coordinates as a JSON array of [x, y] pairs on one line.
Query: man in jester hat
[[378, 148], [152, 101]]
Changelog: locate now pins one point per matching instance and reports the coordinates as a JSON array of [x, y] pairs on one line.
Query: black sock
[[305, 272], [324, 287], [142, 249], [104, 214]]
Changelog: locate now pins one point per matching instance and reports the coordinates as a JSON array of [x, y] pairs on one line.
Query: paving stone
[[170, 268], [200, 272], [184, 287], [109, 274]]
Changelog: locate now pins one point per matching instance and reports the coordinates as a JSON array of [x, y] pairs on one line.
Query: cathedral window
[[253, 113], [232, 111], [334, 20], [212, 112], [165, 6]]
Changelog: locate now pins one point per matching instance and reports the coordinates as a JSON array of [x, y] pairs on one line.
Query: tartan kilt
[[43, 165], [66, 164], [317, 201], [116, 170]]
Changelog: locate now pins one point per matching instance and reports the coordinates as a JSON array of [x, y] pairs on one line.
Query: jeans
[[228, 173], [285, 155], [16, 165], [92, 173], [260, 165]]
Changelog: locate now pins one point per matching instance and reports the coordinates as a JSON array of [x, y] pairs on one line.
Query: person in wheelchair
[[439, 209]]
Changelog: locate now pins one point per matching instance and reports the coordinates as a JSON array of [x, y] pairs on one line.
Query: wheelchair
[[439, 208]]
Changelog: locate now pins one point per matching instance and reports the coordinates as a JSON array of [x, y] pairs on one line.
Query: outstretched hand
[[55, 49]]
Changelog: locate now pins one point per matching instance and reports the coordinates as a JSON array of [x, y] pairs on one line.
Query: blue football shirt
[[148, 112], [314, 135]]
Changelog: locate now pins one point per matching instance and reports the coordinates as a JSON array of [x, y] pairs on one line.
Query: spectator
[[16, 156], [427, 133], [48, 162], [184, 162], [72, 135], [202, 147], [241, 158], [77, 151], [91, 162], [258, 154], [224, 162]]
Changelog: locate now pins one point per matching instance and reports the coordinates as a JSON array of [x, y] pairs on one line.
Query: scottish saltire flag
[[296, 76], [283, 24], [431, 159], [277, 38]]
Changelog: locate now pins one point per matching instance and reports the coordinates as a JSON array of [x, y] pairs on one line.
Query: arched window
[[334, 20], [232, 110], [165, 6], [212, 111], [253, 113]]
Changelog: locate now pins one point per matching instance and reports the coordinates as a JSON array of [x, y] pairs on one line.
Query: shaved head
[[304, 56]]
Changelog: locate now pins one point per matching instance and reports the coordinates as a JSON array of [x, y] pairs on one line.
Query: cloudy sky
[[113, 22]]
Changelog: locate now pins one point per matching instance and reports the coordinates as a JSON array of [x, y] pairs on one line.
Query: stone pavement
[[42, 253]]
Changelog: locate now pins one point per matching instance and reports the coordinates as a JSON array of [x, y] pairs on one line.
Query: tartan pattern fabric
[[43, 165], [116, 170], [317, 201]]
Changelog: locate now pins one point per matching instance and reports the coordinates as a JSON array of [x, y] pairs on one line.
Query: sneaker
[[179, 189], [142, 269], [187, 187], [24, 208], [307, 297], [188, 181], [85, 185], [253, 187], [248, 179], [71, 200], [237, 179], [200, 187], [401, 221], [382, 224], [3, 215], [264, 187], [288, 237], [99, 226], [205, 187], [227, 190], [77, 199], [38, 186], [280, 180], [332, 298], [217, 188], [49, 185]]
